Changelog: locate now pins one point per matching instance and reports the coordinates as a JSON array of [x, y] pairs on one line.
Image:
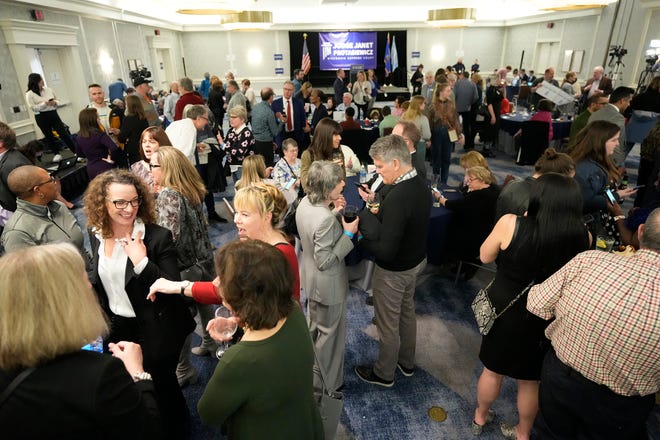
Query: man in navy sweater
[[395, 233]]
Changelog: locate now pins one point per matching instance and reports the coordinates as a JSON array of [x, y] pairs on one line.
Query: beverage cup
[[604, 243], [350, 213]]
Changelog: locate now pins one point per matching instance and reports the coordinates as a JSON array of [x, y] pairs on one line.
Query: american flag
[[306, 61]]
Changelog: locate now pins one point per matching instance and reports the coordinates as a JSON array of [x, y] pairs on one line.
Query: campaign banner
[[340, 50]]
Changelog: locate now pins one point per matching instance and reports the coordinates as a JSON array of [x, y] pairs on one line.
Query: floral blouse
[[282, 173], [191, 241], [239, 145], [141, 169]]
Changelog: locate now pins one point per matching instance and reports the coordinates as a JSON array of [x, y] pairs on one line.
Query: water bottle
[[96, 346], [363, 174]]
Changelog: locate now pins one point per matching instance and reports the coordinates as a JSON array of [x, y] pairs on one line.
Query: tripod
[[644, 79], [617, 73]]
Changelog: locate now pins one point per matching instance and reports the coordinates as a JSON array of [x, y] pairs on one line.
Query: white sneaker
[[57, 158]]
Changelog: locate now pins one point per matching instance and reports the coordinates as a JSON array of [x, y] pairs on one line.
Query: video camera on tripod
[[617, 52], [139, 73]]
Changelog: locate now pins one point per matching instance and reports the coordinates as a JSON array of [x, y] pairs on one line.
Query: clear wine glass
[[225, 325]]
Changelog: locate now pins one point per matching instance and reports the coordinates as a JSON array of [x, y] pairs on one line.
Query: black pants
[[266, 150], [468, 129], [573, 407], [362, 110], [49, 121], [209, 201], [174, 414]]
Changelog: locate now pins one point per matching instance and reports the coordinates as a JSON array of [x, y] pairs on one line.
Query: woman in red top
[[259, 209]]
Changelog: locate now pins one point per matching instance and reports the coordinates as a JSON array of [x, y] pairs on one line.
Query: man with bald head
[[549, 77], [266, 124], [598, 83]]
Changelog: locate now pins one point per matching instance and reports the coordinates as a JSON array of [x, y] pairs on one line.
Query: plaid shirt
[[607, 326]]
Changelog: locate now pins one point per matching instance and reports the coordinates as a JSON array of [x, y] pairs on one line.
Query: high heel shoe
[[477, 428], [508, 431]]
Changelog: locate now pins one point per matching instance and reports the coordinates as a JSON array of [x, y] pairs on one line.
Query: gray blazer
[[323, 272]]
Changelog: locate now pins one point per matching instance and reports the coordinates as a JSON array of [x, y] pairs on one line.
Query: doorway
[[547, 55], [164, 68]]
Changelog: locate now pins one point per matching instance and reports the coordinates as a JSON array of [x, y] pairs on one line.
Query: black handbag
[[200, 271]]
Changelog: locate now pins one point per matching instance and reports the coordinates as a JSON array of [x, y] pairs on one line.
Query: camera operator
[[142, 88]]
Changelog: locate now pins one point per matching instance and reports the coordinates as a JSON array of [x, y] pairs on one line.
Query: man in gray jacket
[[466, 95], [266, 125]]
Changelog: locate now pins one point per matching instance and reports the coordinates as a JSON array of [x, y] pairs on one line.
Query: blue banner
[[279, 71], [278, 57], [341, 49]]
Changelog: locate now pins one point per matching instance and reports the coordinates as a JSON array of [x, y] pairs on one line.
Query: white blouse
[[38, 103], [112, 273]]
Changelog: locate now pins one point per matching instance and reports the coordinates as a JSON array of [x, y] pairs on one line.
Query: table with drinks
[[510, 123]]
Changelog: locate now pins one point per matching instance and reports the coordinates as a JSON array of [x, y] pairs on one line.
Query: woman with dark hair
[[417, 80], [95, 144], [527, 249], [267, 377], [443, 119], [151, 140], [216, 101], [543, 113], [129, 252], [494, 97], [135, 122], [325, 146], [43, 102], [595, 173]]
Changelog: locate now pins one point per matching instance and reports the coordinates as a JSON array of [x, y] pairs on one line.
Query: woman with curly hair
[[129, 252]]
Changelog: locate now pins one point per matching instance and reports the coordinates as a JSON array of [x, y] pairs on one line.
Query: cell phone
[[363, 186], [289, 183], [229, 207], [638, 187], [610, 196]]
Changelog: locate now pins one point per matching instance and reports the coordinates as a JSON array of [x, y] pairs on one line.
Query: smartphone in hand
[[610, 196]]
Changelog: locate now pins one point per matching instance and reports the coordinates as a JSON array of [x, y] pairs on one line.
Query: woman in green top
[[262, 386]]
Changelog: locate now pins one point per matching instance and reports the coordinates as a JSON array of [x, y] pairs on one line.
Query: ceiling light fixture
[[572, 5], [207, 11], [248, 20], [452, 17]]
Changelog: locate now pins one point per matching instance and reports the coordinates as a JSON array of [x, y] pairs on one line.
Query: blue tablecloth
[[440, 218], [512, 122]]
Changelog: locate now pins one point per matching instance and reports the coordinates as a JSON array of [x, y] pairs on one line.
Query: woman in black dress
[[135, 122], [527, 249], [494, 96]]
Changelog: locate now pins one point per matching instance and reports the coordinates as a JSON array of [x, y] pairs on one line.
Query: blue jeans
[[441, 148]]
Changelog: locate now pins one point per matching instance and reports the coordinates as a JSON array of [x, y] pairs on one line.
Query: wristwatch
[[184, 285], [619, 217], [141, 375]]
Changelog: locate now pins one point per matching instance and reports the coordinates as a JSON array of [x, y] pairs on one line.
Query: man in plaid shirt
[[600, 378]]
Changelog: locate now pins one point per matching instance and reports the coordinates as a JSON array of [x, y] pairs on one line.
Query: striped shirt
[[607, 318]]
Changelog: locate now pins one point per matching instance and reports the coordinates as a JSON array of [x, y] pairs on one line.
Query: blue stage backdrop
[[340, 50]]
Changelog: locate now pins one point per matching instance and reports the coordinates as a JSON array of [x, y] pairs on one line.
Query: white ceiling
[[311, 14]]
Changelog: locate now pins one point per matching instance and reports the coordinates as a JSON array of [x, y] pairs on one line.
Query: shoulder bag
[[15, 383], [483, 309]]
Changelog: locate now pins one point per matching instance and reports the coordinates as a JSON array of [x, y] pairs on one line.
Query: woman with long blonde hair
[[254, 170], [415, 114]]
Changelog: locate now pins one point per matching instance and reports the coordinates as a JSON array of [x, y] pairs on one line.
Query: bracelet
[[141, 375], [349, 234], [619, 217]]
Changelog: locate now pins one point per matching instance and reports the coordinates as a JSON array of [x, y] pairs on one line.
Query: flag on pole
[[388, 65], [306, 61], [394, 56]]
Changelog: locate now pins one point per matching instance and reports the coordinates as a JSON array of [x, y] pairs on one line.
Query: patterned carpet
[[447, 365]]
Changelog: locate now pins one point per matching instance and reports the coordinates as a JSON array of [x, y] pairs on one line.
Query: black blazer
[[299, 118], [166, 322], [81, 395]]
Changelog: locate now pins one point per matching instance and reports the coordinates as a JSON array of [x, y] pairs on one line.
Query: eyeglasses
[[153, 165], [472, 179], [123, 204], [51, 179], [203, 117]]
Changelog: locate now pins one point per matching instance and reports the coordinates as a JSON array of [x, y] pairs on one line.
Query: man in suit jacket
[[427, 89], [340, 86], [613, 112], [294, 118], [320, 112], [598, 83]]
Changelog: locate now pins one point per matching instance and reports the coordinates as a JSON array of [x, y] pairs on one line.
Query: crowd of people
[[151, 266]]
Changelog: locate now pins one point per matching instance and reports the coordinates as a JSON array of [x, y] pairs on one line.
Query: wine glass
[[225, 325]]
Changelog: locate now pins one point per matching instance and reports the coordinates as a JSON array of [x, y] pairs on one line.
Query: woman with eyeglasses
[[239, 141], [39, 218], [152, 138], [129, 253]]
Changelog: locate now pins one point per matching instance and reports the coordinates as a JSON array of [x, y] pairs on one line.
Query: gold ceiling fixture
[[208, 11], [248, 20], [452, 17], [572, 5]]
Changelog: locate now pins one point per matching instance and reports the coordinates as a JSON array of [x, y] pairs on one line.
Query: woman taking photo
[[595, 172], [151, 140], [239, 142], [325, 146], [361, 94], [43, 102], [259, 210], [46, 316], [129, 253], [445, 126], [286, 172], [324, 277], [265, 379], [135, 122], [528, 249], [179, 209], [39, 218], [415, 114], [95, 144]]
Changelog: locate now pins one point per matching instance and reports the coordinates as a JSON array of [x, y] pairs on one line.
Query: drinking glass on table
[[225, 325]]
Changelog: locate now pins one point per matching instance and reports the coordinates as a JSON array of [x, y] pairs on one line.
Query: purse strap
[[14, 383], [291, 169], [513, 301]]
